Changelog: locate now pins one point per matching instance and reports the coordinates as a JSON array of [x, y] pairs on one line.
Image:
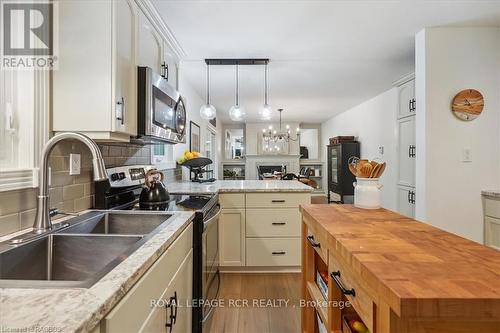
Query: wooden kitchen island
[[398, 274]]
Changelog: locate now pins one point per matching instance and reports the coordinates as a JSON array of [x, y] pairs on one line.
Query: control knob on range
[[117, 176]]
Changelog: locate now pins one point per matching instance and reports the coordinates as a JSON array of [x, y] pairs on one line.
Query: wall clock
[[468, 104]]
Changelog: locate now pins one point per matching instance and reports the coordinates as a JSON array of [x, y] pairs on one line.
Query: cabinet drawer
[[492, 232], [281, 222], [492, 208], [232, 200], [362, 301], [318, 243], [273, 251], [278, 199], [132, 311]]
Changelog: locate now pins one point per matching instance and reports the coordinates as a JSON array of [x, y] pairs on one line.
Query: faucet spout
[[42, 221]]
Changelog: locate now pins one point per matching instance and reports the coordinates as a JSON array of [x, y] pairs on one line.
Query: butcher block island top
[[412, 268]]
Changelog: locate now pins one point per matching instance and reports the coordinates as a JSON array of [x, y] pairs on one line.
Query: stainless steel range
[[122, 191]]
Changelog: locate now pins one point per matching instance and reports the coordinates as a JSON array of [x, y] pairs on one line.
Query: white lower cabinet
[[260, 229], [170, 277], [232, 237], [406, 201], [273, 251], [491, 222], [177, 312]]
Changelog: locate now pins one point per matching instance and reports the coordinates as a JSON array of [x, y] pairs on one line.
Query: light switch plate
[[74, 164], [466, 155]]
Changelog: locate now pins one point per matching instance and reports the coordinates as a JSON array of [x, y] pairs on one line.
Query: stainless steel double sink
[[80, 254]]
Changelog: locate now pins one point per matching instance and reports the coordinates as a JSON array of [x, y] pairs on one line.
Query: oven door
[[210, 261]]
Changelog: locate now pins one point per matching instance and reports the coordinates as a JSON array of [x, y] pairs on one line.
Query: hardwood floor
[[272, 304], [319, 199]]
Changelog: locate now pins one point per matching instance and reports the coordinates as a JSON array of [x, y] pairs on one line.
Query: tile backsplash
[[69, 193]]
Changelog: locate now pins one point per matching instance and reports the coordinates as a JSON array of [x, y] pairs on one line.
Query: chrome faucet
[[42, 220]]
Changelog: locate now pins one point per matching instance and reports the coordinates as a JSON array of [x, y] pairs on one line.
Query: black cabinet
[[340, 179]]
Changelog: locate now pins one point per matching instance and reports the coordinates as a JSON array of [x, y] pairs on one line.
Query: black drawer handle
[[172, 317], [313, 243], [336, 277], [278, 253], [278, 201], [278, 223]]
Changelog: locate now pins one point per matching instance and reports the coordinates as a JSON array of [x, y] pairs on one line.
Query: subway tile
[[84, 203], [61, 178], [73, 191], [27, 218], [56, 195], [109, 161], [85, 176], [88, 189], [115, 151], [16, 201], [9, 224], [104, 150], [58, 163]]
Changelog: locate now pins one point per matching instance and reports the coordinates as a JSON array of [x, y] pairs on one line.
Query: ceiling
[[326, 56]]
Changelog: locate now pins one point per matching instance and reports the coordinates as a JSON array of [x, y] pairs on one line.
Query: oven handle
[[211, 220], [209, 314]]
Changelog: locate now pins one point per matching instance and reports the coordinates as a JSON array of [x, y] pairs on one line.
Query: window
[[162, 156], [23, 126]]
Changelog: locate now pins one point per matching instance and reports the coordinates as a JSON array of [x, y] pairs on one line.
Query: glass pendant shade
[[207, 112], [237, 113], [265, 112]]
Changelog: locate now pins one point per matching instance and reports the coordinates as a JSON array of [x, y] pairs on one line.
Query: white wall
[[448, 190], [193, 103], [374, 123]]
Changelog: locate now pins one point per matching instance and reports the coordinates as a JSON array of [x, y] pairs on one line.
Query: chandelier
[[272, 136]]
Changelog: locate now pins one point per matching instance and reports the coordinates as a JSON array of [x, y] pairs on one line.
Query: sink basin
[[63, 260], [79, 255], [119, 223]]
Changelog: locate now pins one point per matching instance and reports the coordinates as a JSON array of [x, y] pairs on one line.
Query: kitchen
[[159, 172]]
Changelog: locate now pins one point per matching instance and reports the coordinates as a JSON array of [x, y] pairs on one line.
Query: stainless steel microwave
[[161, 113]]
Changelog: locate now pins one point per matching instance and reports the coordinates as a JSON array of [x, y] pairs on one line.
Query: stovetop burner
[[182, 203]]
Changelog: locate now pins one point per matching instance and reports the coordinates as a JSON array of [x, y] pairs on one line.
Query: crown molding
[[404, 79], [154, 16]]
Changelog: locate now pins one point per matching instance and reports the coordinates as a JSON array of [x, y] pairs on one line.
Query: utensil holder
[[367, 193]]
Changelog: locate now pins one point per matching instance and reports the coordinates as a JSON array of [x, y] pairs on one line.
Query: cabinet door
[[170, 62], [406, 97], [124, 65], [407, 151], [232, 237], [406, 206], [150, 44], [176, 311]]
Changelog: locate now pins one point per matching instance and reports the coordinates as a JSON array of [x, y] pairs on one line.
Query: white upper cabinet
[[407, 104], [150, 45], [94, 88], [155, 52], [407, 151]]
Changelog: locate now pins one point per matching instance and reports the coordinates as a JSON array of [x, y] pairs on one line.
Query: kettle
[[154, 196]]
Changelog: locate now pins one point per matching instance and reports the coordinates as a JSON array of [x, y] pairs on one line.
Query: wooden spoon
[[352, 168], [381, 170], [375, 170], [366, 170]]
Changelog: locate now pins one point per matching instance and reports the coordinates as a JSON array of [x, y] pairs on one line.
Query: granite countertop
[[222, 186], [81, 309], [491, 193]]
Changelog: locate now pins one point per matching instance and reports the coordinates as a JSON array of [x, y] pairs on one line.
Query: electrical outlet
[[381, 150], [466, 155], [74, 164]]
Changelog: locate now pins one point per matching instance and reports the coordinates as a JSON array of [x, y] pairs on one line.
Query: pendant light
[[208, 111], [266, 110], [237, 112]]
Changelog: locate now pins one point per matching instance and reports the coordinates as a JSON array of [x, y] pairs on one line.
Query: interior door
[[125, 24], [407, 151], [150, 45]]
